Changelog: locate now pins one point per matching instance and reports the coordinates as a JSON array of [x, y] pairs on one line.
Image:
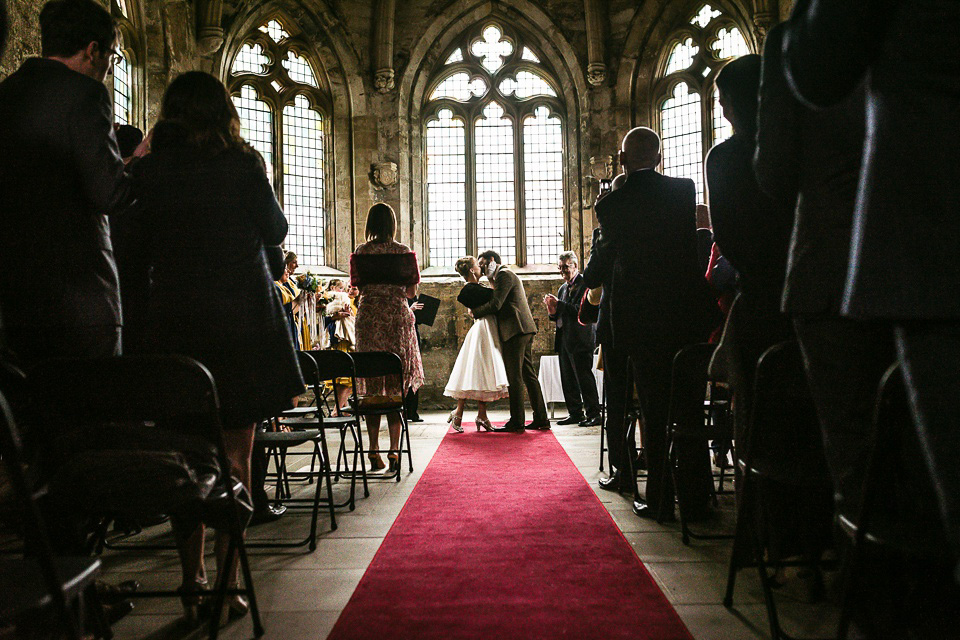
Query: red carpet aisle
[[503, 539]]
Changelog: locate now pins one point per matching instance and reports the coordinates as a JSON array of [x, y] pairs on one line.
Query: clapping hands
[[551, 301]]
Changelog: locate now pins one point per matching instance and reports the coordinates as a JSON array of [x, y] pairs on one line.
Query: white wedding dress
[[478, 373]]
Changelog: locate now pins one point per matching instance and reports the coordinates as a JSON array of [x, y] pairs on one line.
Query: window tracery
[[284, 111], [687, 103], [494, 152]]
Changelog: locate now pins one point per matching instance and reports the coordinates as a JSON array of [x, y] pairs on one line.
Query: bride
[[478, 373]]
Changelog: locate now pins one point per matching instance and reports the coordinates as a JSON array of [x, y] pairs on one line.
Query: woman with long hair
[[206, 211], [386, 273]]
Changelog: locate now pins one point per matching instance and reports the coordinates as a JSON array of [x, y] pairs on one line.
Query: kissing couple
[[496, 359]]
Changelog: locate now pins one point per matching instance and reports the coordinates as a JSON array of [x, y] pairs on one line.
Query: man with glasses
[[60, 176], [574, 343]]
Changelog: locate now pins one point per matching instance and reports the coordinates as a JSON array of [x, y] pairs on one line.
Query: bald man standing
[[660, 300]]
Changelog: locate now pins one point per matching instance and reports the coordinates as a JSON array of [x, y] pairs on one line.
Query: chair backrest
[[688, 387], [162, 388], [35, 530], [784, 431], [905, 499], [373, 364], [332, 364], [308, 367]]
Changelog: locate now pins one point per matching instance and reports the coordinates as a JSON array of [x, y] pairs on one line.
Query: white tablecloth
[[550, 378]]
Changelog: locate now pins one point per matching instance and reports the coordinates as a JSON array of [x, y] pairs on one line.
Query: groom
[[516, 327]]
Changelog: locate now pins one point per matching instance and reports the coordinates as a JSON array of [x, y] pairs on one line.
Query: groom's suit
[[516, 328]]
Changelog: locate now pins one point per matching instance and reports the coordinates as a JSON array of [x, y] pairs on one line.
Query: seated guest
[[206, 211], [386, 273], [574, 344]]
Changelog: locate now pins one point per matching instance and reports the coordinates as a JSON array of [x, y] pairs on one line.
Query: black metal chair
[[31, 586], [277, 443], [377, 364], [784, 444], [690, 418], [603, 425], [898, 511], [118, 416]]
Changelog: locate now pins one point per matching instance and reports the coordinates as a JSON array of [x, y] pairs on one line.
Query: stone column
[[765, 15], [210, 33], [596, 67], [384, 21]]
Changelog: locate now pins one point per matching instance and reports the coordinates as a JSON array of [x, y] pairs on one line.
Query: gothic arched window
[[285, 113], [494, 152], [125, 102], [688, 104]]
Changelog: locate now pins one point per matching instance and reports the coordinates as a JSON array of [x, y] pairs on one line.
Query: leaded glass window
[[494, 152], [284, 113], [688, 105], [122, 90]]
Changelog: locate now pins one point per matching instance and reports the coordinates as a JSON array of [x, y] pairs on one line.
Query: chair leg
[[220, 591], [95, 606], [406, 429], [743, 512], [248, 587], [359, 454], [325, 465], [603, 433], [775, 632]]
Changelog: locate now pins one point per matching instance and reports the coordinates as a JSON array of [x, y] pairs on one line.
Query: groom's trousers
[[518, 360]]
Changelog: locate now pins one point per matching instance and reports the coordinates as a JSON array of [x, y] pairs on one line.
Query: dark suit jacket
[[509, 304], [573, 336], [599, 272], [812, 159], [751, 229], [60, 175], [649, 227], [906, 228]]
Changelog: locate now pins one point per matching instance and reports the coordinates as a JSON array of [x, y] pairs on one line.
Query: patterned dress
[[385, 322]]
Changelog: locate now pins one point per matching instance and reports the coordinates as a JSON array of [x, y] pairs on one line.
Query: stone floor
[[301, 594]]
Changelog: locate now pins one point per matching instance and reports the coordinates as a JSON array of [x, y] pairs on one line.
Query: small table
[[550, 380]]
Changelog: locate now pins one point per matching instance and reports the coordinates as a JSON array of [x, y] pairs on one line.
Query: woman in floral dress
[[386, 273]]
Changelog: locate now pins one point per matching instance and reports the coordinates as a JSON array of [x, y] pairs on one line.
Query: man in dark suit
[[574, 343], [904, 269], [516, 328], [660, 299], [60, 176]]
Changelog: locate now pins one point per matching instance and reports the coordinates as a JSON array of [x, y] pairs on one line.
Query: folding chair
[[117, 411], [31, 585], [376, 364], [898, 512], [690, 418], [784, 444]]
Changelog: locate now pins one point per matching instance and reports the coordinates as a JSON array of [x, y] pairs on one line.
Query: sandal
[[376, 462], [394, 462]]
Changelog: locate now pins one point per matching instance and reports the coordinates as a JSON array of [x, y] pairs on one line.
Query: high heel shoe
[[234, 607], [376, 462], [394, 461], [455, 420], [195, 606], [485, 423]]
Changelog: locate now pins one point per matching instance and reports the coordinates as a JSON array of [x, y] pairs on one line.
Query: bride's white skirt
[[478, 373]]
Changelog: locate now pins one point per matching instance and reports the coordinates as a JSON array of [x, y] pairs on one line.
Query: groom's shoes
[[571, 419], [592, 421], [510, 427], [539, 425]]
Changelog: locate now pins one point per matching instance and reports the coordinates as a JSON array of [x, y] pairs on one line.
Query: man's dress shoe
[[271, 513], [612, 483], [539, 426], [595, 421], [643, 510], [510, 427], [571, 419]]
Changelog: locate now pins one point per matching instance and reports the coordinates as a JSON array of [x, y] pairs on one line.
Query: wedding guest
[[574, 343], [478, 373], [386, 273], [291, 298], [906, 234], [206, 211], [61, 175], [659, 302], [751, 230], [411, 402]]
